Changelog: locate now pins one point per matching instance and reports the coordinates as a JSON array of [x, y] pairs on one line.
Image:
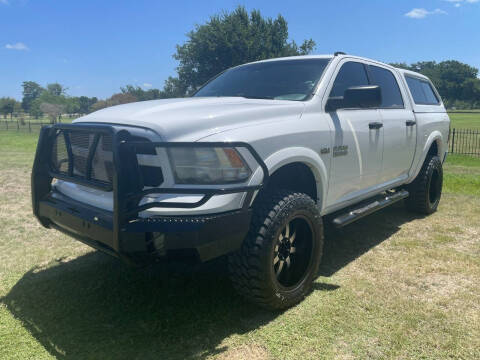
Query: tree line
[[227, 40]]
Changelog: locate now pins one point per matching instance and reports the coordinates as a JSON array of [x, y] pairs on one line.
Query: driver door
[[357, 140]]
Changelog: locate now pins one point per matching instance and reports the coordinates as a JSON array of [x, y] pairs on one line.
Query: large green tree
[[72, 105], [56, 89], [7, 106], [31, 91], [35, 110], [85, 104], [51, 100], [227, 40]]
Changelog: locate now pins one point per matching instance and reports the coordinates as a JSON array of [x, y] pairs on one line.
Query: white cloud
[[18, 46], [147, 85], [422, 13], [457, 5]]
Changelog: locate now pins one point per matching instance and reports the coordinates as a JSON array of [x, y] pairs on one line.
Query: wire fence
[[464, 142], [28, 126], [22, 126]]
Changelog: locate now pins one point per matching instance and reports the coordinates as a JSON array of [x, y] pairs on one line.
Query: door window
[[350, 74], [422, 91], [391, 95]]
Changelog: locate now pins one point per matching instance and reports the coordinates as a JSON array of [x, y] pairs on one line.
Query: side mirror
[[363, 97]]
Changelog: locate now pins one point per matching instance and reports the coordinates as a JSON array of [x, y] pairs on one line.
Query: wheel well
[[433, 151], [295, 177]]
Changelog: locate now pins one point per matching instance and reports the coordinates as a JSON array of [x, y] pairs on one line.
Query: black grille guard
[[126, 192]]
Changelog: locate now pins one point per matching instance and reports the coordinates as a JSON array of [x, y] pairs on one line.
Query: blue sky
[[94, 47]]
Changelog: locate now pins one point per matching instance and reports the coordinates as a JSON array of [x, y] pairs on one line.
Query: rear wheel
[[426, 190], [279, 259]]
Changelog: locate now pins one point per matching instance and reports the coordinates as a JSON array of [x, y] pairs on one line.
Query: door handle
[[410, 122], [375, 125]]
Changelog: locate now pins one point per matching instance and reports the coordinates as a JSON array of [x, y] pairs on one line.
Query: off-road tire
[[252, 267], [426, 190]]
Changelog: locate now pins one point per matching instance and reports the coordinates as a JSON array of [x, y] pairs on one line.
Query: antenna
[[339, 53]]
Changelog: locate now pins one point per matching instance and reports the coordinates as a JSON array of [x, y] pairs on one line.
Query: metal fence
[[22, 126], [464, 142]]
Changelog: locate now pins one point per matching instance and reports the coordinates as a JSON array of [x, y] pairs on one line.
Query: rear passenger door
[[357, 147], [399, 127]]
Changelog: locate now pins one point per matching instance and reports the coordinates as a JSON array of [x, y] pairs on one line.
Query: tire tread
[[245, 265], [418, 200]]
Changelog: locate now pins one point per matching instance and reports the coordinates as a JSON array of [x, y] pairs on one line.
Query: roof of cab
[[340, 56], [299, 57], [327, 56]]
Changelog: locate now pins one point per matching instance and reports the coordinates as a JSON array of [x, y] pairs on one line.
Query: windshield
[[280, 80]]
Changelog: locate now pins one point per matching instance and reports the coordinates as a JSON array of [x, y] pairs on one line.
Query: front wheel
[[426, 190], [279, 259]]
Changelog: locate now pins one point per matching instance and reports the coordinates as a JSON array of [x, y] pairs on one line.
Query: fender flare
[[434, 136], [300, 155]]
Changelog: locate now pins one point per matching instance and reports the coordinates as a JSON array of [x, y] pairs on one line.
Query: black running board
[[366, 208]]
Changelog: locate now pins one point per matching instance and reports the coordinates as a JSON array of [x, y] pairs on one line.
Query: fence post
[[18, 126], [453, 141], [470, 141], [29, 126], [6, 124], [477, 142]]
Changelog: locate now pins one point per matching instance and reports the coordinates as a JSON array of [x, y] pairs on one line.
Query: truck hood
[[190, 119]]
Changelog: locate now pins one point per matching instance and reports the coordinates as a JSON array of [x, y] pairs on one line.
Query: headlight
[[208, 165]]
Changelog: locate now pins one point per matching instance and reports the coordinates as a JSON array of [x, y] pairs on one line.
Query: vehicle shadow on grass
[[96, 307], [344, 245]]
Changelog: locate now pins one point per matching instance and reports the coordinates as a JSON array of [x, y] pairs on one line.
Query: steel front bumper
[[210, 236], [121, 232]]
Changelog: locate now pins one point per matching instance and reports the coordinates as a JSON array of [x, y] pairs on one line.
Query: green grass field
[[465, 120], [391, 286]]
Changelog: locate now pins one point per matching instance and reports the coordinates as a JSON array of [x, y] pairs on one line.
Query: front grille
[[102, 166], [84, 155], [88, 156], [60, 161]]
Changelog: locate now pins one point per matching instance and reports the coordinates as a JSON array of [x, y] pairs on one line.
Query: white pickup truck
[[249, 166]]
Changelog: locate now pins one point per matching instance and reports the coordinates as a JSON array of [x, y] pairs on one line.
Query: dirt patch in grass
[[442, 286], [243, 352]]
